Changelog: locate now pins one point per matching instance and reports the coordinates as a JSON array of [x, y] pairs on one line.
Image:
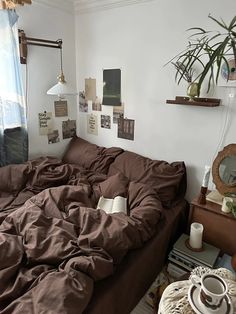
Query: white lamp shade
[[61, 89]]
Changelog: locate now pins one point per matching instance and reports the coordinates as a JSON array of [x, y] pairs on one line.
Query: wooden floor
[[142, 308]]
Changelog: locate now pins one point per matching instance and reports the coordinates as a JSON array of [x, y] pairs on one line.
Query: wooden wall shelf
[[205, 102]]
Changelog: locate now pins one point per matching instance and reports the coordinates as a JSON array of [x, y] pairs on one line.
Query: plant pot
[[192, 90]]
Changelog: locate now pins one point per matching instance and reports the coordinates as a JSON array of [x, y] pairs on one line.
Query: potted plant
[[206, 51], [231, 202], [232, 207]]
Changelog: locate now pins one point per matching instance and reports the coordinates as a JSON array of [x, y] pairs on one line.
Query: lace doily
[[175, 297]]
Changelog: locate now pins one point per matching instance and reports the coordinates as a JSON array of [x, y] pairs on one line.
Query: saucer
[[194, 300]]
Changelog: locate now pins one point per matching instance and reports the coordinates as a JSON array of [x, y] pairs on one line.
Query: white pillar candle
[[206, 176], [224, 207], [196, 231]]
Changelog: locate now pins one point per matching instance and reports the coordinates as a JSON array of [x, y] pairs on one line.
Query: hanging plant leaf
[[222, 24]]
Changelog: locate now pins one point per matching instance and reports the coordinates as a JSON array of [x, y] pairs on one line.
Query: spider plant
[[232, 207], [207, 50], [186, 74]]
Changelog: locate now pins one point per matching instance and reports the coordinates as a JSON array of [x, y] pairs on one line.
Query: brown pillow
[[116, 185], [90, 156], [168, 180]]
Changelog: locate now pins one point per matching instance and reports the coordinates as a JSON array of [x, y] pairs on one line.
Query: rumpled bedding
[[54, 243]]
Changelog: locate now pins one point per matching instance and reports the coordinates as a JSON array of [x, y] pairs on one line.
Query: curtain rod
[[25, 41], [11, 4]]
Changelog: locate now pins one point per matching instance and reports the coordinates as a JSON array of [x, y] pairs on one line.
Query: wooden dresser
[[219, 227]]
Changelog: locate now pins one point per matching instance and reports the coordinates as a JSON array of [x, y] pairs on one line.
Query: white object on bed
[[111, 206]]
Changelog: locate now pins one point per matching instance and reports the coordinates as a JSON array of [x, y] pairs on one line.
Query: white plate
[[194, 300]]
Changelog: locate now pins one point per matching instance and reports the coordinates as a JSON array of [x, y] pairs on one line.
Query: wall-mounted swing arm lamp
[[62, 87]]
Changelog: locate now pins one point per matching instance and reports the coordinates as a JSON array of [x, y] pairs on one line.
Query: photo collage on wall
[[111, 97], [47, 123]]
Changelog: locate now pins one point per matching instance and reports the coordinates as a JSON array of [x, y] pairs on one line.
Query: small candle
[[206, 177], [196, 231], [224, 207]]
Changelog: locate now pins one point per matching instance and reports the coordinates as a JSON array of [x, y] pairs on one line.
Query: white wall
[[140, 39], [43, 67]]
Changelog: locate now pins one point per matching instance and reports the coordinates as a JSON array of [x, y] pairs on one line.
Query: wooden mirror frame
[[222, 187]]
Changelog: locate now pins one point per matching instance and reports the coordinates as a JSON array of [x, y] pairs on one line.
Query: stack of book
[[182, 259], [225, 262]]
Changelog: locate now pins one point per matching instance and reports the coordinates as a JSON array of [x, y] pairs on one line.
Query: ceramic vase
[[192, 90]]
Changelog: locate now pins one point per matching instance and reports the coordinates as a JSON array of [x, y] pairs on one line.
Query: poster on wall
[[68, 129], [118, 112], [97, 105], [126, 129], [112, 87], [92, 124], [105, 121], [61, 108], [90, 89], [45, 123], [83, 104], [53, 137]]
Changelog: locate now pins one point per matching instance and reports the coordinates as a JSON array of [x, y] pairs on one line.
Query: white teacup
[[212, 290]]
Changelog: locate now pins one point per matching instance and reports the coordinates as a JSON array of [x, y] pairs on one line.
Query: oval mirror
[[227, 170], [224, 170]]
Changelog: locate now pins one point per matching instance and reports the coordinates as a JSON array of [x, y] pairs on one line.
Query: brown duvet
[[54, 243]]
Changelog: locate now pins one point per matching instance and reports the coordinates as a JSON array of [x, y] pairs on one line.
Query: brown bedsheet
[[53, 244]]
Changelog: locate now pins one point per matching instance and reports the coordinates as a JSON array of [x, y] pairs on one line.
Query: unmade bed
[[60, 254]]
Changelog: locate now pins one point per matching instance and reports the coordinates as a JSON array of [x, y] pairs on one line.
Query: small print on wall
[[118, 112], [45, 123], [126, 129], [83, 104], [53, 137], [68, 129], [61, 108], [112, 87], [90, 89], [105, 121], [92, 124], [97, 105]]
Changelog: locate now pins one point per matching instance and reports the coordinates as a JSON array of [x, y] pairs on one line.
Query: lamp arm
[[24, 41]]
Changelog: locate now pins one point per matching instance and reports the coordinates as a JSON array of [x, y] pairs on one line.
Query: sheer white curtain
[[13, 127]]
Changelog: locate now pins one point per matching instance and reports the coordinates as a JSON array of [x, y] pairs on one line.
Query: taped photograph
[[68, 129], [126, 129], [97, 105], [92, 124], [53, 137], [105, 121], [112, 87], [83, 104], [118, 112]]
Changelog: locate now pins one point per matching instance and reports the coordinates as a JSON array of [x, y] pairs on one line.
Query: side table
[[219, 227], [174, 299]]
